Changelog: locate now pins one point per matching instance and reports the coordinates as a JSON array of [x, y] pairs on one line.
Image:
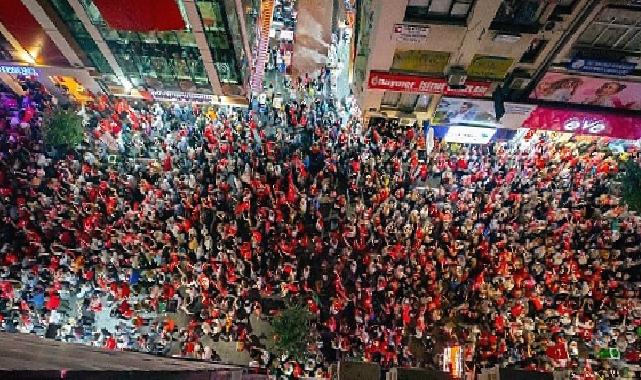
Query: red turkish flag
[[141, 15]]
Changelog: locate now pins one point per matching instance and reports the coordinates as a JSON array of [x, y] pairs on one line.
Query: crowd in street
[[518, 253]]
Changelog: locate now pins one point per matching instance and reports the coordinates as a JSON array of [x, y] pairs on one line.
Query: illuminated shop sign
[[602, 67], [585, 123], [18, 70], [180, 95], [469, 135]]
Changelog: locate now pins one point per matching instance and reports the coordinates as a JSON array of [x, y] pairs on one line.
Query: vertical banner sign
[[266, 13]]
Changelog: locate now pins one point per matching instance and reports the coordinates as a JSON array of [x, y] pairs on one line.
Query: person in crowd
[[519, 254]]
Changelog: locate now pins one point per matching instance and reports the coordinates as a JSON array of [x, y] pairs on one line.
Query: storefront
[[62, 82], [473, 121], [620, 134], [584, 123], [412, 97]]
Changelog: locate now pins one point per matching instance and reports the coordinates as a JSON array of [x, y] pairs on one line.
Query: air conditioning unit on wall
[[519, 83], [456, 77]]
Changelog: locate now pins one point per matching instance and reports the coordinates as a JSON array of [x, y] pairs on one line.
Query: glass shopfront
[[164, 60], [224, 38], [82, 37], [160, 60]]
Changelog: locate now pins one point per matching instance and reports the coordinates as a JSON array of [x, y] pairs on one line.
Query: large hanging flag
[[141, 15]]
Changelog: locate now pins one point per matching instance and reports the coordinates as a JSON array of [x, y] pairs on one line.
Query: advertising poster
[[584, 123], [581, 89], [135, 15], [420, 61], [480, 112]]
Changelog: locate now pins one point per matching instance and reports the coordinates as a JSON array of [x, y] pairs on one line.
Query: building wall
[[605, 32], [206, 57], [462, 40]]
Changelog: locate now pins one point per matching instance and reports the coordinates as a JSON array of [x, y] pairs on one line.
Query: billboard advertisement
[[584, 123], [468, 135], [581, 89], [382, 80], [480, 112]]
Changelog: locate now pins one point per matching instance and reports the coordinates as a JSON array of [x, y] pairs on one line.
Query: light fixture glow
[[28, 57], [126, 84]]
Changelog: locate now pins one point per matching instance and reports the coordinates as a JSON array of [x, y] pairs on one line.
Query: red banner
[[584, 123], [381, 80], [141, 15]]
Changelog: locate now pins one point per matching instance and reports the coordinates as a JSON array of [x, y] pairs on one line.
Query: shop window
[[438, 10], [219, 38], [5, 49], [533, 51], [520, 16], [390, 99], [168, 59], [422, 103], [407, 102]]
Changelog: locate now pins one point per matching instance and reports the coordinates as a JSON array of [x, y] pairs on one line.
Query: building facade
[[135, 48], [411, 54], [596, 66]]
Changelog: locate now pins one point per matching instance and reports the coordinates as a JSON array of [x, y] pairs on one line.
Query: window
[[220, 40], [532, 53], [422, 103], [82, 37], [519, 16], [211, 16], [614, 29], [390, 99], [407, 102], [563, 7], [5, 49], [438, 10]]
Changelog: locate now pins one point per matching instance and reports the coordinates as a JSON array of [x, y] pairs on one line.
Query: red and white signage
[[585, 123], [381, 80]]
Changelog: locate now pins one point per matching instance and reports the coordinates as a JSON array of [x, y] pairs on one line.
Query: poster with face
[[480, 112], [581, 89]]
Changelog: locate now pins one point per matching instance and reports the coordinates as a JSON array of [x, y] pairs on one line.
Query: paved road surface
[[313, 35]]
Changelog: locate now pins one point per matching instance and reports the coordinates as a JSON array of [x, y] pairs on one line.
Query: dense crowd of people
[[519, 253]]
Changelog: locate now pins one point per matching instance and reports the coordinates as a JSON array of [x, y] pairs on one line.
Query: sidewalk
[[313, 36]]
